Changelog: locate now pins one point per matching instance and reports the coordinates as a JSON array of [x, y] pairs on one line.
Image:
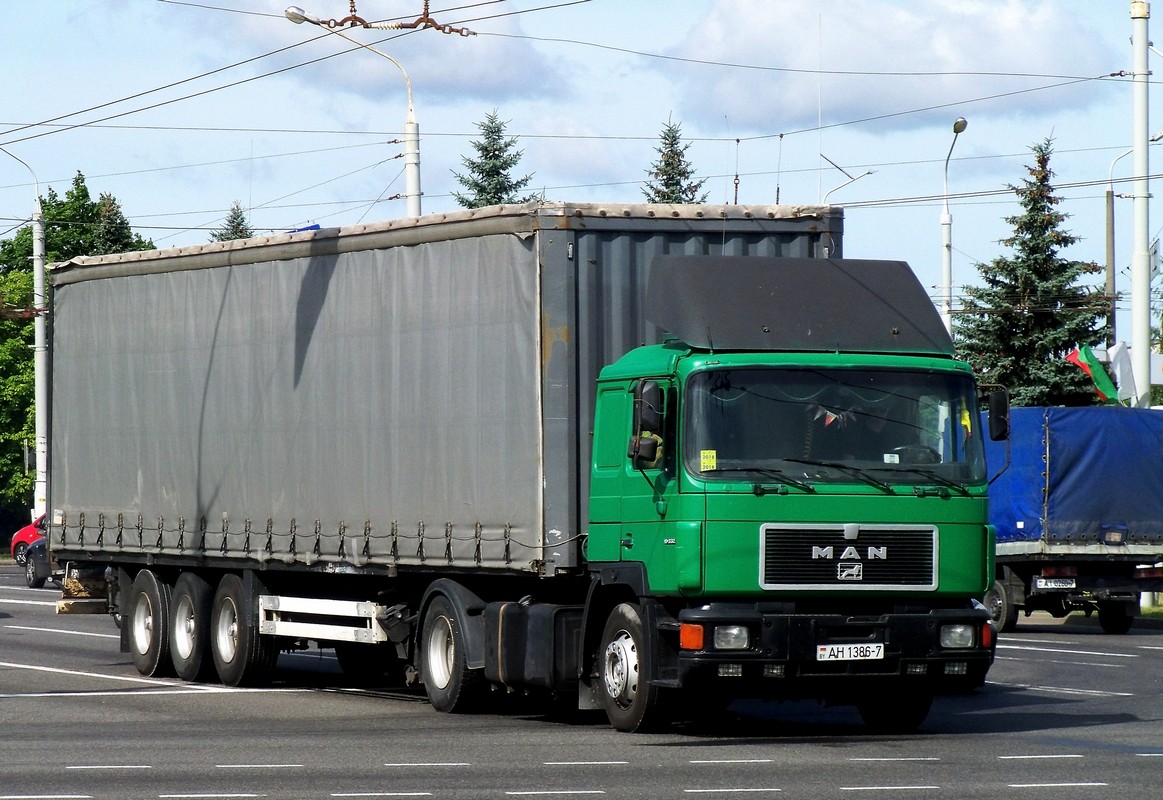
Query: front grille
[[849, 557]]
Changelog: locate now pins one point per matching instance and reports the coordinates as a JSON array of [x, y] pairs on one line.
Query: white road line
[[108, 766], [1100, 653], [582, 763], [729, 791], [1053, 785], [888, 788], [58, 630], [898, 758], [381, 794], [205, 796], [175, 689], [1032, 757], [1062, 690], [81, 674], [537, 792], [257, 766], [7, 602], [46, 797], [732, 761], [430, 764], [1067, 663]]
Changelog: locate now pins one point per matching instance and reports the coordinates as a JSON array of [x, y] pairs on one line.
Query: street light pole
[[1110, 233], [1140, 253], [411, 127], [959, 125], [39, 351]]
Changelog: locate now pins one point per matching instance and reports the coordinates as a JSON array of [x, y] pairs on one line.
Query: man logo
[[849, 572]]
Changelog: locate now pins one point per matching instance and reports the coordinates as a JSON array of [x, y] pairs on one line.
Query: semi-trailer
[[641, 458]]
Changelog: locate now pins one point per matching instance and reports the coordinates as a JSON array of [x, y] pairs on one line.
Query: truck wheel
[[1114, 618], [149, 619], [628, 695], [451, 686], [895, 712], [241, 656], [1004, 613], [190, 628]]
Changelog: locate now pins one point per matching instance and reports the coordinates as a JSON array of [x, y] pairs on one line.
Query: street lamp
[[959, 126], [1110, 233], [411, 127], [39, 351]]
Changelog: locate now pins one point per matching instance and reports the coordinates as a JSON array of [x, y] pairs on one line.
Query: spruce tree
[[489, 180], [1033, 309], [235, 226], [671, 176]]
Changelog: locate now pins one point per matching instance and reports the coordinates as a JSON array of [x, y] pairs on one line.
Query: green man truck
[[639, 458]]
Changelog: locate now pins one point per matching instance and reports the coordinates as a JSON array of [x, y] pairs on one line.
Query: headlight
[[732, 637], [957, 636]]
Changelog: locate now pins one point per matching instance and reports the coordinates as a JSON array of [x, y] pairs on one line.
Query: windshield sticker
[[708, 460]]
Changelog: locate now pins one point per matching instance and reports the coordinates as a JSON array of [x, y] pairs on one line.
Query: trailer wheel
[[451, 686], [1115, 618], [895, 712], [241, 655], [149, 619], [1004, 612], [190, 628], [628, 695]]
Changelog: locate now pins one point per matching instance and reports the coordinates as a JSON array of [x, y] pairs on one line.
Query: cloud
[[924, 55]]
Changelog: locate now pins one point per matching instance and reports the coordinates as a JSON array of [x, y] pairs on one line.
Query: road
[[1068, 712]]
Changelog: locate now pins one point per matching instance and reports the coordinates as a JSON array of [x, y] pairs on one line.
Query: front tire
[[149, 619], [242, 657], [20, 553], [451, 686], [628, 695], [32, 576], [190, 626]]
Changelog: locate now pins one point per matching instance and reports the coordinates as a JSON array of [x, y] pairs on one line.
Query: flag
[[1120, 361], [1083, 358]]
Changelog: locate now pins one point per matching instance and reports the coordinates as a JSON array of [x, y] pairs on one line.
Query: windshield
[[821, 425]]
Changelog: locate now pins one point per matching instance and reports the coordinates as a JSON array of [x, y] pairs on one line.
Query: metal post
[[1110, 261], [1140, 258], [959, 125]]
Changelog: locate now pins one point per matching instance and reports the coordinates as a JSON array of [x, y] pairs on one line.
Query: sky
[[179, 109]]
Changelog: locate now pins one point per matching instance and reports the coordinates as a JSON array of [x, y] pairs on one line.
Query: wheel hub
[[620, 669]]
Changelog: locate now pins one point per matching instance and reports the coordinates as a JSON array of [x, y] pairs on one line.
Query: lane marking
[[888, 788], [1063, 690], [1053, 785], [555, 792], [9, 602], [257, 766], [732, 761], [108, 766], [193, 796], [82, 674], [897, 758], [1030, 757], [1065, 663], [582, 763], [430, 764], [1069, 652], [46, 797], [381, 794], [58, 630], [729, 791]]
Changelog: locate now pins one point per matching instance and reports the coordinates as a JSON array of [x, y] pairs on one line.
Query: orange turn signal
[[690, 636]]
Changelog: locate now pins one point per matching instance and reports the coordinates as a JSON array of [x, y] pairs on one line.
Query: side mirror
[[999, 415], [646, 442]]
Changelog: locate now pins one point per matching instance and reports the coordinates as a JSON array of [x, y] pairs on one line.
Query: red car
[[23, 538]]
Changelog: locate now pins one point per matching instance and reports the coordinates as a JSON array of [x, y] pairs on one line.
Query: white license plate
[[849, 652], [1054, 583]]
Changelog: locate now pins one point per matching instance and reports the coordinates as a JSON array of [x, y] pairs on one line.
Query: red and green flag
[[1084, 358]]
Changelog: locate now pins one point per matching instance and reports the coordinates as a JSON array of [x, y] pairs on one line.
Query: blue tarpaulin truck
[[1077, 504]]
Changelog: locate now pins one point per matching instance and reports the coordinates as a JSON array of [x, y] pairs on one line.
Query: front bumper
[[781, 659]]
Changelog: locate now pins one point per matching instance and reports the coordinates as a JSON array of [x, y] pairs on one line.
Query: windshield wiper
[[774, 474], [933, 476], [850, 470]]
